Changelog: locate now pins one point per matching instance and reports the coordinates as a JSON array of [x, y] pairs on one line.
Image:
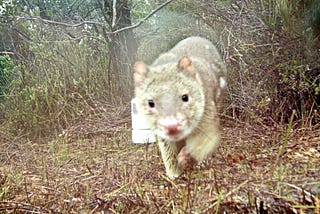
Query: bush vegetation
[[8, 72], [270, 47]]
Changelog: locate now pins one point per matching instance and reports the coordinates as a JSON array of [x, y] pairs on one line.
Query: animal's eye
[[185, 98], [151, 103]]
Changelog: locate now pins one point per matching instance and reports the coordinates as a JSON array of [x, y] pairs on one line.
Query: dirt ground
[[256, 169]]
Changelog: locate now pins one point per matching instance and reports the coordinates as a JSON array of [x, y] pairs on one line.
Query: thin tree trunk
[[123, 45]]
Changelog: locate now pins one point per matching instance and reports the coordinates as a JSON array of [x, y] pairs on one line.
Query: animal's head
[[170, 96]]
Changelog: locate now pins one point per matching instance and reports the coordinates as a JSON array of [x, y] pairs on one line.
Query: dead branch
[[114, 12], [37, 18], [143, 20], [46, 21]]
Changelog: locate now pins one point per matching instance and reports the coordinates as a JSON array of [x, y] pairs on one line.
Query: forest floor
[[256, 169]]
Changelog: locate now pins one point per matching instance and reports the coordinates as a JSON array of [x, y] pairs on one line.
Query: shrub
[[8, 71], [60, 84]]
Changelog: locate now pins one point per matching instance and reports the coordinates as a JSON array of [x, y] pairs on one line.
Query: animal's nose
[[170, 124]]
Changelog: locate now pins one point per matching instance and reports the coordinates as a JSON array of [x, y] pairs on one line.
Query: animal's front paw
[[173, 173], [185, 160]]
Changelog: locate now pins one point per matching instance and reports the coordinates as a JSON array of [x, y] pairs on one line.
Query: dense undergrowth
[[273, 65], [58, 86]]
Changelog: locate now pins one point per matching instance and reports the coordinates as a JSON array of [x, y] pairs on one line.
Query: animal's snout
[[171, 125]]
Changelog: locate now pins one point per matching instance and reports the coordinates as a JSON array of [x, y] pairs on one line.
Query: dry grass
[[104, 172], [262, 166]]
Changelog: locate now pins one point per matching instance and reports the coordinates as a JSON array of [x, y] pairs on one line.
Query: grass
[[108, 173], [65, 144]]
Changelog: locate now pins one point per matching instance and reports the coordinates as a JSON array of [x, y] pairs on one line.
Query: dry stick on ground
[[20, 206], [226, 195], [309, 194]]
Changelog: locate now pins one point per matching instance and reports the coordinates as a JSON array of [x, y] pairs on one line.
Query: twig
[[85, 179], [14, 205], [143, 20], [114, 192], [169, 180], [37, 18], [226, 195], [7, 52], [300, 189], [114, 14]]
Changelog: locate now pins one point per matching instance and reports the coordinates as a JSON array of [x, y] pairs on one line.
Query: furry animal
[[179, 95]]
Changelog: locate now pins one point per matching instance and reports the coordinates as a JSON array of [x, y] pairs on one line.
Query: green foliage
[[272, 58], [141, 8], [8, 71], [60, 10], [6, 9], [65, 71], [298, 59], [313, 17], [62, 83]]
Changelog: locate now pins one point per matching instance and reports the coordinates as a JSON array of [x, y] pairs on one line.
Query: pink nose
[[170, 124]]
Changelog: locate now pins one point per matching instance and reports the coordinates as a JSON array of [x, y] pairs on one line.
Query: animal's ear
[[140, 71], [185, 65]]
